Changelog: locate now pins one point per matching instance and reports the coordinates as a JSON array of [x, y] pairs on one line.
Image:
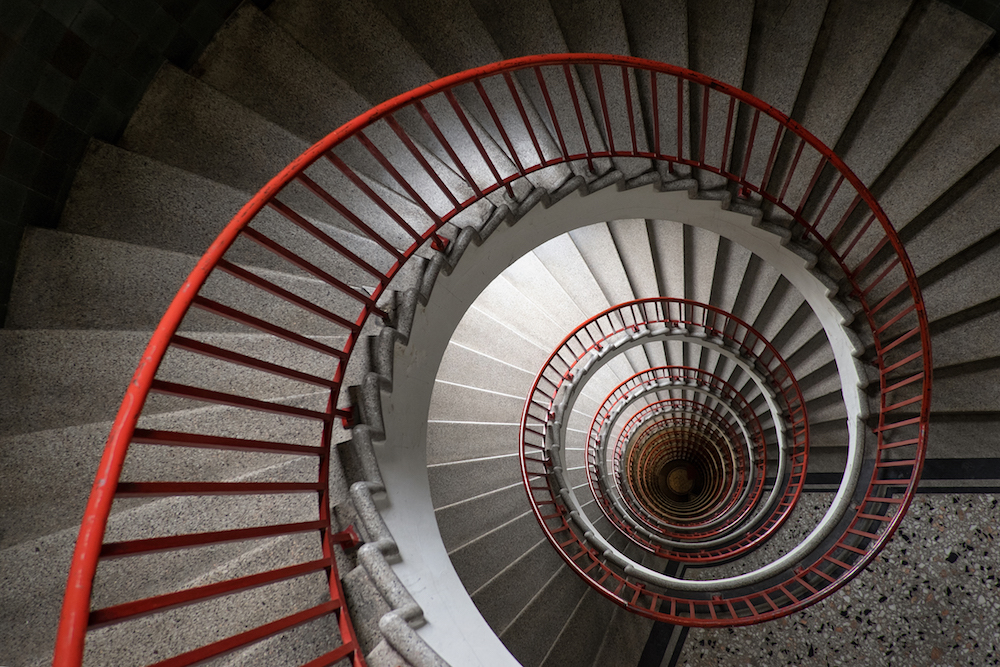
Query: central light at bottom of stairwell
[[679, 473]]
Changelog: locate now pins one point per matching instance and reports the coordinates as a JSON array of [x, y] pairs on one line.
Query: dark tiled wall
[[71, 70]]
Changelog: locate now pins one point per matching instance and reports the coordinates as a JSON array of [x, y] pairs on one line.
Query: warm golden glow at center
[[679, 481]]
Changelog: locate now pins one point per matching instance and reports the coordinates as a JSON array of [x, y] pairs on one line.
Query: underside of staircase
[[906, 92]]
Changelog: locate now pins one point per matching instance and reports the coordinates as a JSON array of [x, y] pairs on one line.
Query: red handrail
[[891, 333]]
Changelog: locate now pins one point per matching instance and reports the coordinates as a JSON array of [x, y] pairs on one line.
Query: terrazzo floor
[[931, 598]]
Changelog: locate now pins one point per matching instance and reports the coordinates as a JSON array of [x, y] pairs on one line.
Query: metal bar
[[791, 169], [893, 264], [579, 116], [256, 323], [900, 339], [161, 489], [656, 117], [396, 176], [750, 145], [899, 424], [500, 128], [901, 362], [230, 644], [419, 157], [857, 237], [878, 246], [172, 542], [901, 315], [439, 135], [901, 443], [519, 103], [280, 292], [197, 347], [812, 184], [889, 297], [464, 120], [903, 383], [771, 158], [338, 654], [109, 615], [348, 215], [843, 219], [552, 112], [628, 105], [177, 439], [222, 398], [704, 126], [360, 184], [325, 239], [725, 141], [604, 107]]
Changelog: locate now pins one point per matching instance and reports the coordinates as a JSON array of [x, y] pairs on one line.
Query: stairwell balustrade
[[431, 164]]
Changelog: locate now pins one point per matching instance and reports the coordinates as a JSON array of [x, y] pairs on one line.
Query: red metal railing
[[654, 427], [350, 225], [704, 527], [696, 322]]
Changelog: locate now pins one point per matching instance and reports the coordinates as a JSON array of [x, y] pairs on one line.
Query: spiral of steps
[[903, 91]]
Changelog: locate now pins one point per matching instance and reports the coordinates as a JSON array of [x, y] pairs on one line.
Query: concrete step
[[183, 122], [597, 248], [530, 276], [562, 260], [451, 38], [57, 503], [451, 402], [503, 597], [366, 606], [782, 40], [659, 31], [595, 27], [731, 263], [35, 568], [505, 306], [213, 620], [581, 636], [467, 440], [463, 522], [364, 67], [464, 366], [718, 38], [88, 368], [949, 143], [852, 42], [124, 196], [461, 480], [523, 28], [531, 634], [258, 64], [935, 47], [69, 281], [480, 560], [624, 638], [631, 241]]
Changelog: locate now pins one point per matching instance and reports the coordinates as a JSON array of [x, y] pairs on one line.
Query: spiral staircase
[[485, 227]]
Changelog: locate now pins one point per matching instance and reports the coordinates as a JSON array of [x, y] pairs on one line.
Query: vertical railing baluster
[[604, 108], [524, 117], [579, 115]]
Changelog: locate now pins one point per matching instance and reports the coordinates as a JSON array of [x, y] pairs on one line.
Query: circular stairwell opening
[[690, 475]]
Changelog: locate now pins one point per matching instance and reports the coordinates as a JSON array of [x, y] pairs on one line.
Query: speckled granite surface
[[931, 598]]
